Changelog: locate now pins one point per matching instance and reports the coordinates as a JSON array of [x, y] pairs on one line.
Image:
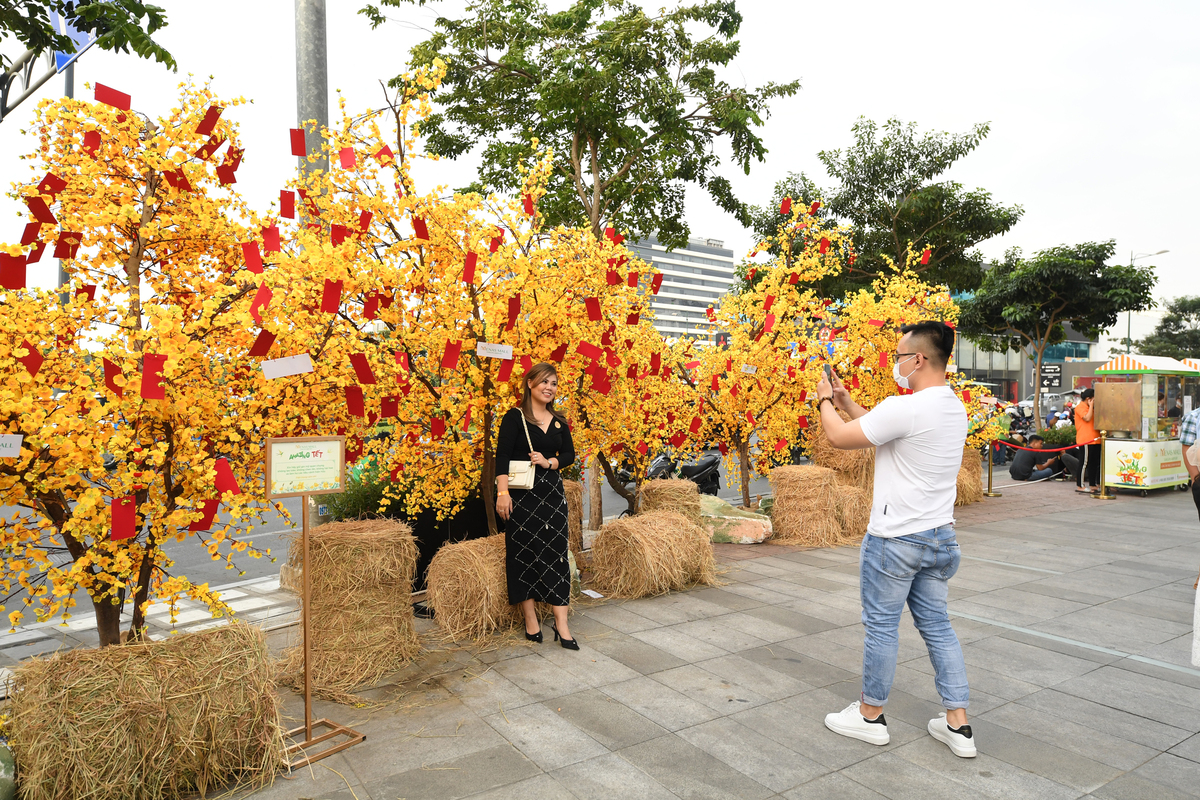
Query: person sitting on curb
[[1028, 466]]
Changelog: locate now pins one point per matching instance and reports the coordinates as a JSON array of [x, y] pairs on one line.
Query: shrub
[[1059, 437]]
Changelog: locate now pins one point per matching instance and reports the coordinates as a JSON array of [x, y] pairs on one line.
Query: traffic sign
[[82, 42], [1051, 376]]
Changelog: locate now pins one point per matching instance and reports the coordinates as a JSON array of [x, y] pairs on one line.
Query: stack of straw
[[853, 467], [970, 478], [574, 491], [650, 554], [468, 589], [147, 721], [854, 512], [361, 617], [805, 510], [671, 494]]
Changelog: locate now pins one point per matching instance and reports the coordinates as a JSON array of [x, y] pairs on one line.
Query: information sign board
[[301, 465]]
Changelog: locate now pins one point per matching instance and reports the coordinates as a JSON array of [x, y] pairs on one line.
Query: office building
[[694, 278]]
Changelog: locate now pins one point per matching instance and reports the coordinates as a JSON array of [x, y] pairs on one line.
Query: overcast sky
[[1093, 131]]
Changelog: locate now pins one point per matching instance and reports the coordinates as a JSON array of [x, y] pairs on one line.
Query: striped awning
[[1135, 363], [1194, 363]]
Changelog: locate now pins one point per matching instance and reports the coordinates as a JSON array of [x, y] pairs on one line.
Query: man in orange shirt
[[1089, 454]]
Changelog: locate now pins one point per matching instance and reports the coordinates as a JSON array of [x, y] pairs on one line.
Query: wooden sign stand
[[299, 754]]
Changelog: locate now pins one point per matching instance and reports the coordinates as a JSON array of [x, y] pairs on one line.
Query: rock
[[726, 523]]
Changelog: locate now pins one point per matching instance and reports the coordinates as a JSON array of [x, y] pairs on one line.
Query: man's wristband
[[823, 399]]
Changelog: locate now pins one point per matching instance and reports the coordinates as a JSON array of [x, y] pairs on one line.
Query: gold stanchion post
[[991, 458], [1104, 494]]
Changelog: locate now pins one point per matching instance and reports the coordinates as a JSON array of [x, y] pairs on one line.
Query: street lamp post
[[1129, 314]]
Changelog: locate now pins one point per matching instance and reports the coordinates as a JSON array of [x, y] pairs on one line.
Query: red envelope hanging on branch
[[593, 308], [469, 268], [152, 367], [557, 356], [514, 311], [331, 296], [420, 229], [362, 368], [12, 272], [124, 518], [226, 482], [785, 206], [354, 401], [287, 204], [209, 123], [262, 345], [450, 355], [252, 257], [209, 512], [298, 147], [528, 203], [262, 299]]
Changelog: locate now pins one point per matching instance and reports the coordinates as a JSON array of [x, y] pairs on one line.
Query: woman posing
[[535, 536]]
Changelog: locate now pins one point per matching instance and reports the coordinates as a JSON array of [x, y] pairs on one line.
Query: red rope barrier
[[1045, 450]]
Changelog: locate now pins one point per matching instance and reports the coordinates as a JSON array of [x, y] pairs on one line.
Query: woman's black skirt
[[535, 542]]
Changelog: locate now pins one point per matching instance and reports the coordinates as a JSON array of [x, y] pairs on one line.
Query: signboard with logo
[[302, 465], [1144, 465], [1051, 376]]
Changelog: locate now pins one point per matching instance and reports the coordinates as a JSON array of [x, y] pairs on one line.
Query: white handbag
[[521, 473]]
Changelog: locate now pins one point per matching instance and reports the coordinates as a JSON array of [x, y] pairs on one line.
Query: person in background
[[1000, 452], [1177, 410], [1051, 416], [1064, 420], [1028, 465], [1188, 430], [1087, 450], [1162, 405], [1069, 407]]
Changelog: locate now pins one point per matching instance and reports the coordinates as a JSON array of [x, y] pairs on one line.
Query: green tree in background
[[889, 191], [1023, 304], [118, 25], [1177, 334], [631, 103]]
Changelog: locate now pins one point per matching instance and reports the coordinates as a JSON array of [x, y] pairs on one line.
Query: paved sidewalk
[[1075, 616]]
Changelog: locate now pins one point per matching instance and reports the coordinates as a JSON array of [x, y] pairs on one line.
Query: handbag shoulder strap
[[525, 427]]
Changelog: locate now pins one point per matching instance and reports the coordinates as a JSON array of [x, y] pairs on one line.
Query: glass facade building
[[694, 278]]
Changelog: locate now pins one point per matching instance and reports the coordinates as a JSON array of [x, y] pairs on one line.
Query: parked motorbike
[[704, 472]]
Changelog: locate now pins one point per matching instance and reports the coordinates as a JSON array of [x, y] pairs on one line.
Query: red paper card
[[437, 427], [656, 283], [716, 386], [262, 299], [694, 428], [152, 385], [966, 395], [298, 147], [749, 418], [33, 360], [812, 212], [402, 361], [338, 234], [209, 512], [262, 345], [857, 361], [384, 155], [91, 142], [883, 359], [495, 243], [41, 212], [225, 175], [612, 359], [331, 296], [252, 257], [420, 228], [613, 277], [51, 184], [655, 363], [769, 323], [793, 279], [206, 150], [450, 355], [67, 245], [466, 425], [724, 448], [527, 361], [287, 204], [824, 245], [364, 221], [593, 308], [785, 207], [226, 482], [633, 280], [362, 368], [750, 275], [782, 443], [528, 203], [678, 439], [613, 236], [925, 256], [768, 302], [642, 447], [12, 272], [558, 355], [804, 422], [389, 407], [270, 236], [589, 350], [712, 316], [632, 319], [371, 306], [124, 518], [506, 368], [876, 322], [89, 290], [347, 158], [177, 179], [111, 373], [514, 311], [30, 234], [206, 126], [111, 97], [354, 401]]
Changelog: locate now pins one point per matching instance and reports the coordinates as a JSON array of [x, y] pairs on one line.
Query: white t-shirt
[[919, 439]]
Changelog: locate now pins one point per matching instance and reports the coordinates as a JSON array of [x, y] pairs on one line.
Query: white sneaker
[[960, 741], [850, 722]]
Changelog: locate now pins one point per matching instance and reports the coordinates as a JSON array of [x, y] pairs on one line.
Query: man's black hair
[[938, 336], [1036, 438], [1087, 394]]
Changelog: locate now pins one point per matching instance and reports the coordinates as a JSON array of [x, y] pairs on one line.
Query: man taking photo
[[909, 553]]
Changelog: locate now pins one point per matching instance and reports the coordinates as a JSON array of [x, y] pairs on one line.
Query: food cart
[[1140, 401]]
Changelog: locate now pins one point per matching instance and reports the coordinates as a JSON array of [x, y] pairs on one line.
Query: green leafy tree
[[1177, 334], [630, 103], [120, 25], [890, 192], [1023, 304]]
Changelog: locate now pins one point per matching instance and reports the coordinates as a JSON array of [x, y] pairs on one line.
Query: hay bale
[[970, 478], [361, 618], [574, 491], [650, 554], [853, 467], [854, 512], [805, 509], [671, 494], [149, 720], [468, 589]]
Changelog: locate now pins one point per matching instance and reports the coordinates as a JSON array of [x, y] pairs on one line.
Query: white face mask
[[902, 380]]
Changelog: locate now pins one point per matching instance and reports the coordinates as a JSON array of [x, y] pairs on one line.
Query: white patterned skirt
[[535, 542]]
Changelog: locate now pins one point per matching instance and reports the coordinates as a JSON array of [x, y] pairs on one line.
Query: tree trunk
[[743, 450], [619, 488], [108, 621], [487, 483], [1037, 389], [595, 501]]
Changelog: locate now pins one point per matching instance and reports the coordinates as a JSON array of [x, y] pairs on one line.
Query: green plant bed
[[1059, 437]]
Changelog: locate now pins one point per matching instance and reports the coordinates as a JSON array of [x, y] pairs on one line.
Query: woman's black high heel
[[534, 637], [569, 644]]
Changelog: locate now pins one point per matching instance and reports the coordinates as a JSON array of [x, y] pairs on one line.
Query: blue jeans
[[915, 569], [1038, 474]]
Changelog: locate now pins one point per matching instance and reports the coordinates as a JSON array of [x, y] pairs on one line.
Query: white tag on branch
[[289, 365], [10, 445], [749, 369], [593, 593], [489, 350]]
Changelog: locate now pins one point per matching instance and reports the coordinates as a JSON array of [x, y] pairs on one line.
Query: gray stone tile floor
[[1075, 617]]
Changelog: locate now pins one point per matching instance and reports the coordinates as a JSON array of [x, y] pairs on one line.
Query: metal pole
[[1103, 495], [312, 76], [68, 91], [304, 612], [991, 456]]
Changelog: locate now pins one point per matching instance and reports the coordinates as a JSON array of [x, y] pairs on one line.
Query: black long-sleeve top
[[511, 444]]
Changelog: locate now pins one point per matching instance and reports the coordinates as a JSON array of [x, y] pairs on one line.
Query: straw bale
[[361, 621], [574, 491], [970, 478], [650, 554], [853, 467], [671, 494], [149, 720], [805, 510], [468, 589], [854, 512]]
